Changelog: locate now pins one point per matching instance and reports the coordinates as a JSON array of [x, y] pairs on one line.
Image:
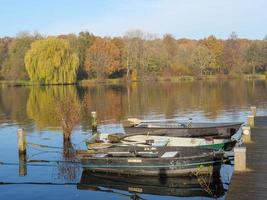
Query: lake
[[50, 175]]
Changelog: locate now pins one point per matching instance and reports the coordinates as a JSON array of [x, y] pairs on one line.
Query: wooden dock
[[252, 184]]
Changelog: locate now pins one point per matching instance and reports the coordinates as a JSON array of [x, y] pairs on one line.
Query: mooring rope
[[42, 145], [110, 166]]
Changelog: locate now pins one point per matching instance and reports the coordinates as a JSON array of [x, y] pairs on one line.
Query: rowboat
[[102, 141], [187, 186], [154, 140], [182, 129], [152, 161]]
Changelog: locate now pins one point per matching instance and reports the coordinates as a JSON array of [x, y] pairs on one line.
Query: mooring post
[[22, 164], [21, 141], [240, 159], [246, 134], [253, 110], [93, 122], [22, 153], [251, 121]]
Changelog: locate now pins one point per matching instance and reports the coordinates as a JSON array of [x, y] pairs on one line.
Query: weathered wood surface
[[252, 184]]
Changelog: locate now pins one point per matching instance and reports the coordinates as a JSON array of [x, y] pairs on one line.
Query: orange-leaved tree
[[102, 59]]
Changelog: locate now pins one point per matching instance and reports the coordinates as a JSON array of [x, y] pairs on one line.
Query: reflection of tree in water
[[53, 106], [69, 169], [43, 101], [13, 104], [168, 98], [108, 101]]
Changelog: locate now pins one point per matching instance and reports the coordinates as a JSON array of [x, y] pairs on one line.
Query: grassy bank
[[118, 81], [174, 79], [17, 83]]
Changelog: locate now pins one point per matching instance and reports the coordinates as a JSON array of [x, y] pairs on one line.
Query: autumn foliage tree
[[51, 61], [101, 58], [203, 59], [171, 48], [215, 48]]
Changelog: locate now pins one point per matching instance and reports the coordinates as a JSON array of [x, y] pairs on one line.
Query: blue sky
[[181, 18]]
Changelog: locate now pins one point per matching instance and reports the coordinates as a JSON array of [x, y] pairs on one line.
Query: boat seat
[[170, 154], [102, 155]]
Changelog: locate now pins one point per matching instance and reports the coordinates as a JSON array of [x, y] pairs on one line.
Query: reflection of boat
[[179, 129], [207, 185], [155, 140], [152, 161]]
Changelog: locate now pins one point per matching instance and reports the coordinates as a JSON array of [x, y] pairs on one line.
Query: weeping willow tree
[[51, 61]]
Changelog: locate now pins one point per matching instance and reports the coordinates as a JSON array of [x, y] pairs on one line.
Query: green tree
[[4, 45], [51, 61], [13, 67], [85, 41], [156, 57]]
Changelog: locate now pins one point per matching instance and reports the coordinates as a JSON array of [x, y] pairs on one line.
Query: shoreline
[[118, 81]]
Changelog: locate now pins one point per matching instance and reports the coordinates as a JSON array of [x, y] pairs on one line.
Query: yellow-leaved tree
[[51, 61]]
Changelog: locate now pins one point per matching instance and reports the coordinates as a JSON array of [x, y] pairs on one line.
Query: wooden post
[[22, 153], [253, 110], [240, 159], [21, 141], [251, 120], [246, 134], [22, 164], [93, 122]]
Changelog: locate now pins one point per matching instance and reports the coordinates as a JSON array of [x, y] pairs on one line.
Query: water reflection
[[189, 186], [43, 103], [68, 167], [199, 99]]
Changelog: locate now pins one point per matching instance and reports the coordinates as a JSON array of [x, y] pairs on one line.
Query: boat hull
[[203, 161], [215, 130]]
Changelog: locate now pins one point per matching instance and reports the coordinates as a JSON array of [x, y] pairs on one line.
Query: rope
[[149, 166], [44, 146], [35, 163], [55, 161]]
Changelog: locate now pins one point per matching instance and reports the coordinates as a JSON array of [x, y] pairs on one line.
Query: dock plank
[[253, 183]]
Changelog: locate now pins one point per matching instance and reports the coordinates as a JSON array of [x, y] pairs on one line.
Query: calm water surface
[[34, 110]]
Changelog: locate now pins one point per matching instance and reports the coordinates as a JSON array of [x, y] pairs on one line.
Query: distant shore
[[172, 79]]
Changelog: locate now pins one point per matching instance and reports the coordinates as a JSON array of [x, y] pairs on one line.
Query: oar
[[116, 138], [137, 121], [98, 146]]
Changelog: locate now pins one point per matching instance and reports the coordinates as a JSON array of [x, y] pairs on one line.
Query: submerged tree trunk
[[69, 168], [68, 150]]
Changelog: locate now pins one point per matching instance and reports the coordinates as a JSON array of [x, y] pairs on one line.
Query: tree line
[[134, 56]]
